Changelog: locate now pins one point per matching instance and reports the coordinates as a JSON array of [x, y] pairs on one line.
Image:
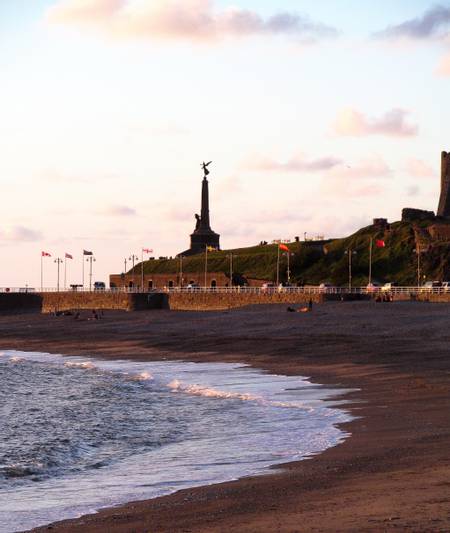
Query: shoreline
[[328, 397], [397, 446]]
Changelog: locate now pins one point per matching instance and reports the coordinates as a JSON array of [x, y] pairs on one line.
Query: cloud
[[361, 179], [20, 234], [119, 211], [434, 23], [419, 169], [367, 168], [191, 20], [229, 185], [178, 214], [351, 122], [298, 163], [443, 68], [413, 190]]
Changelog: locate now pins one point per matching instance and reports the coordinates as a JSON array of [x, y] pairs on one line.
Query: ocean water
[[79, 434]]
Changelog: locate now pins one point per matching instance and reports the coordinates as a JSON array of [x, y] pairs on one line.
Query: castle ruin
[[444, 200]]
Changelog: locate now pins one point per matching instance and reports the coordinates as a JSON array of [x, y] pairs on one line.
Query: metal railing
[[310, 289]]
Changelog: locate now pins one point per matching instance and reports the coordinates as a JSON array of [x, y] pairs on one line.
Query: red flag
[[68, 256], [380, 244], [46, 254], [284, 247], [147, 250]]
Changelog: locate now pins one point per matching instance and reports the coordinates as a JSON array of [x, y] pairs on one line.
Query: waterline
[[180, 425]]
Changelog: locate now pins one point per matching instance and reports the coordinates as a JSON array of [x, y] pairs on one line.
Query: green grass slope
[[313, 263]]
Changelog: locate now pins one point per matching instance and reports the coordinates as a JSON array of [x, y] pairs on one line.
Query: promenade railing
[[310, 289]]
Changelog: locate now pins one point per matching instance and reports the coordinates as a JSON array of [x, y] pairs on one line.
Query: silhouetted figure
[[205, 168], [310, 304]]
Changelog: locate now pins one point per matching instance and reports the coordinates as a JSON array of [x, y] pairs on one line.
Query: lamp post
[[58, 261], [206, 266], [143, 251], [418, 252], [350, 254], [181, 272], [91, 259], [133, 258], [231, 257], [288, 254]]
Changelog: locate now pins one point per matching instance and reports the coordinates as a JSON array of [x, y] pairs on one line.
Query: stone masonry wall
[[64, 301], [11, 303], [217, 301]]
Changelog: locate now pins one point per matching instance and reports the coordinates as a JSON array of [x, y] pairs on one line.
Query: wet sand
[[393, 473]]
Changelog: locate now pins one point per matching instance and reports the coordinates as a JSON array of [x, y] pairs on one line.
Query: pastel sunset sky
[[318, 115]]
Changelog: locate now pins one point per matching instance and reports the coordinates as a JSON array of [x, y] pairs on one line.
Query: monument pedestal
[[203, 235]]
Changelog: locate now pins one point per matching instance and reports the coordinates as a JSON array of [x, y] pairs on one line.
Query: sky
[[318, 117]]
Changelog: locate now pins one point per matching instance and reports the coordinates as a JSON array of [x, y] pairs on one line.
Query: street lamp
[[288, 255], [91, 259], [181, 272], [58, 261], [231, 257], [133, 258], [350, 254]]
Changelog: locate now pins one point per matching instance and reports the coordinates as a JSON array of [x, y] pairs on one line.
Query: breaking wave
[[80, 434]]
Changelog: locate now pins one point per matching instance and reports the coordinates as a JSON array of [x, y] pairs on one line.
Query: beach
[[392, 473]]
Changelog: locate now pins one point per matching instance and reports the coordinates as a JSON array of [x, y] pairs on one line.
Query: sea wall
[[64, 301], [435, 298], [212, 301], [50, 302], [11, 303]]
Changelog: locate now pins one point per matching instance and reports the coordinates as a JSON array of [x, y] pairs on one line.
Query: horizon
[[316, 122]]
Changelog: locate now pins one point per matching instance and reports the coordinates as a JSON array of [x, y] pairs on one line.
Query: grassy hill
[[313, 263]]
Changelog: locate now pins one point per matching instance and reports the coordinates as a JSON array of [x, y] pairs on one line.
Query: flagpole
[[418, 268], [181, 272], [82, 264], [65, 271], [370, 260], [278, 265], [289, 269], [142, 270], [231, 270], [42, 272], [206, 263]]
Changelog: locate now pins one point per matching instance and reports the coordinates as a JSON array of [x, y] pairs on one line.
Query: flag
[[68, 256], [283, 247], [211, 249], [85, 252], [147, 250], [46, 254], [380, 244]]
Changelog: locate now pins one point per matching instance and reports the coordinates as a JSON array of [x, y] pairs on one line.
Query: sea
[[80, 434]]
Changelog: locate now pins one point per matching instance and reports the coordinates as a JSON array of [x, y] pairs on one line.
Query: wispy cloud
[[361, 179], [192, 20], [119, 211], [434, 23], [443, 68], [367, 168], [20, 234], [419, 169], [297, 163], [393, 123]]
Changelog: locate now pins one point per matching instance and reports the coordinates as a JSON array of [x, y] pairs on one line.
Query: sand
[[393, 473]]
